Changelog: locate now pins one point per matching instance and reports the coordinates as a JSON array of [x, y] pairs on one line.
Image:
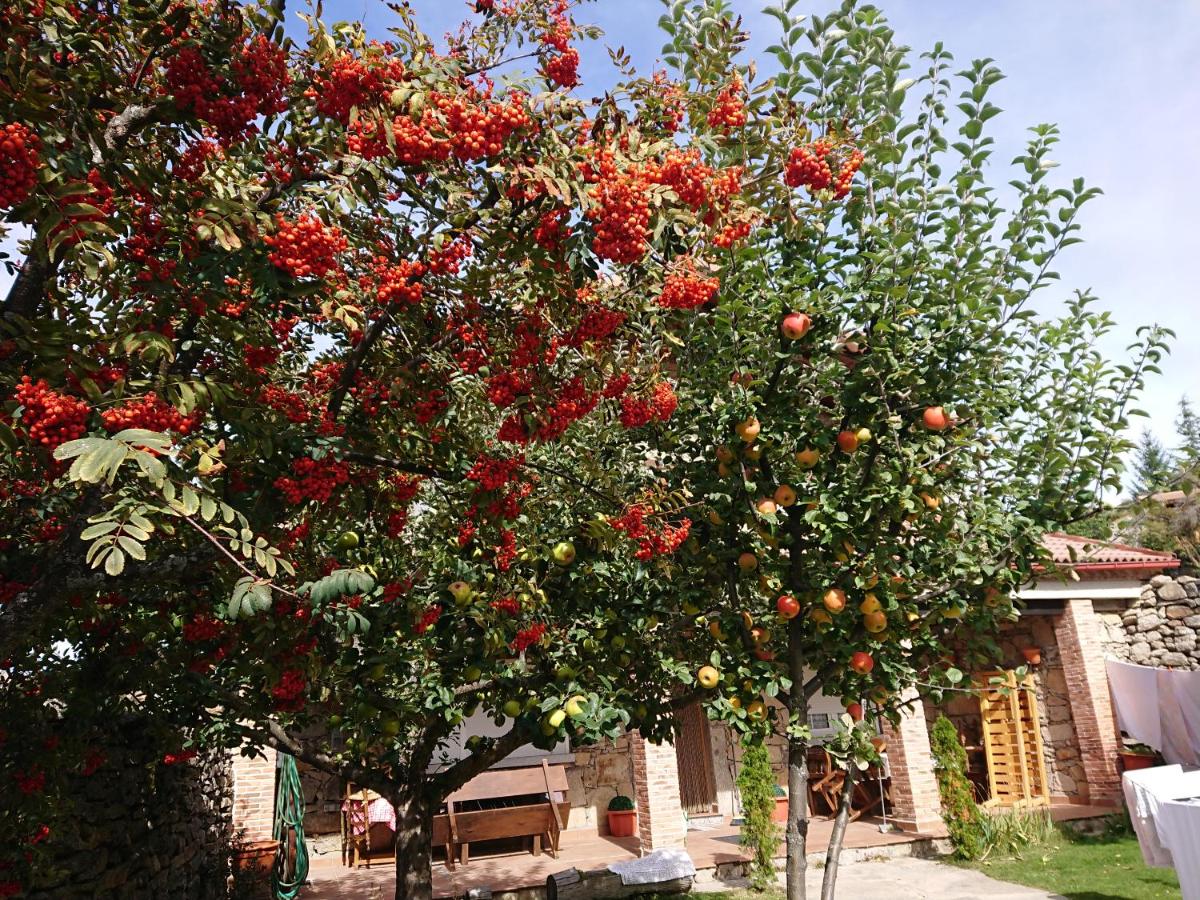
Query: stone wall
[[1162, 627], [600, 773], [138, 828]]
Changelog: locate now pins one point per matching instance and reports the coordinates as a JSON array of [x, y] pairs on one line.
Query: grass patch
[[1083, 867]]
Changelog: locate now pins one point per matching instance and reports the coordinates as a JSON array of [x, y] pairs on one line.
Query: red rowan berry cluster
[[507, 605], [394, 590], [621, 210], [466, 533], [504, 388], [398, 283], [31, 781], [289, 690], [48, 531], [448, 260], [191, 163], [572, 403], [101, 197], [429, 618], [670, 95], [315, 479], [810, 166], [659, 407], [258, 358], [260, 73], [478, 128], [179, 757], [202, 627], [434, 404], [686, 175], [651, 542], [492, 473], [48, 417], [151, 413], [371, 394], [562, 68], [732, 233], [472, 334], [292, 405], [729, 110], [509, 505], [527, 637], [354, 82], [551, 230], [617, 385], [685, 289], [598, 324], [18, 163], [306, 247], [506, 550]]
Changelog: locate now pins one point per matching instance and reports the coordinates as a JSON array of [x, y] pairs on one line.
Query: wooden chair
[[359, 849], [824, 780]]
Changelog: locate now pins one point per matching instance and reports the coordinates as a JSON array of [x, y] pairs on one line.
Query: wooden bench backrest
[[497, 783]]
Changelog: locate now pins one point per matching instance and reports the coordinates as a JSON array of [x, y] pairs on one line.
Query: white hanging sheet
[[1179, 828]]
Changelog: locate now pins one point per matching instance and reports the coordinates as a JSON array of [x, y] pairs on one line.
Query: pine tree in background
[[1153, 465], [1187, 424]]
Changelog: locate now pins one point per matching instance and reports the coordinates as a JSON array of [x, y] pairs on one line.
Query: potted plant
[[253, 862], [1137, 756], [1033, 655], [622, 816], [781, 805]]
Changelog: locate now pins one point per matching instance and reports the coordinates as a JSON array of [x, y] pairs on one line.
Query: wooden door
[[693, 753], [1012, 740]]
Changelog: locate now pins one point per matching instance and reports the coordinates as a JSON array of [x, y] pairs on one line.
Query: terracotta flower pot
[[781, 810], [1131, 761], [622, 822], [255, 856], [1033, 655]]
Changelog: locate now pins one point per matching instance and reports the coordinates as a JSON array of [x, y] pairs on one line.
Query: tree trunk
[[834, 853], [414, 846], [797, 825]]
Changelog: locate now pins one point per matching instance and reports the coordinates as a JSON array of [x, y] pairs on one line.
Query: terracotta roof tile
[[1083, 553]]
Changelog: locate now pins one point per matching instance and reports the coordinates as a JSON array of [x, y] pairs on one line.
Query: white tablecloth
[[1179, 829]]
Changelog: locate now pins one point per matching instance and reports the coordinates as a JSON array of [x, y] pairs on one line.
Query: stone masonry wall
[[600, 773], [139, 829], [1161, 628]]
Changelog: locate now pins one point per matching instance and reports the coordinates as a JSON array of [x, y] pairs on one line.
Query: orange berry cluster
[[316, 479], [598, 323], [413, 142], [729, 110], [352, 83], [395, 284], [685, 289], [551, 229], [289, 690], [448, 260], [562, 68], [261, 75], [621, 211], [480, 129], [659, 407], [651, 542], [18, 163], [306, 247], [809, 166], [151, 413], [684, 173], [50, 418]]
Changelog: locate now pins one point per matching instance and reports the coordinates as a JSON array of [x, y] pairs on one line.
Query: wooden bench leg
[[466, 853], [537, 845], [450, 857], [551, 845]]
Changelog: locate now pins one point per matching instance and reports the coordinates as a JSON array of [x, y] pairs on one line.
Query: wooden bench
[[456, 828]]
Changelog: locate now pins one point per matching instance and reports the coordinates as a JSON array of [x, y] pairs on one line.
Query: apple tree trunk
[[414, 846], [838, 835], [797, 824]]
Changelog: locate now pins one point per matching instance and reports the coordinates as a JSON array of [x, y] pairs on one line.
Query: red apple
[[861, 662], [834, 600], [847, 441], [795, 326], [788, 606], [935, 418], [855, 711]]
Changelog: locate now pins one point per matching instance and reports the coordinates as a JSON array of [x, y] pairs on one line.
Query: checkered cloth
[[379, 811]]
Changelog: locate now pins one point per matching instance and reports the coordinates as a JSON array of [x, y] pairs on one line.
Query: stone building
[[1105, 600]]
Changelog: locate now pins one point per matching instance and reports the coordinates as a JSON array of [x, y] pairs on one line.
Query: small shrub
[[620, 803], [960, 812], [756, 784], [1012, 830]]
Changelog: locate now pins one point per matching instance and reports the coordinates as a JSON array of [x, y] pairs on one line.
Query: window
[[818, 721]]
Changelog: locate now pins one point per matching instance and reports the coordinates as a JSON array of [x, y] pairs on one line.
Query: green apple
[[391, 726], [512, 708], [564, 553], [574, 706], [564, 673], [556, 718], [461, 591], [473, 674], [348, 541]]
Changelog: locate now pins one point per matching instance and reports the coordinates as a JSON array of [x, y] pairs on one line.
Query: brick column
[[916, 805], [661, 822], [254, 795], [1079, 633]]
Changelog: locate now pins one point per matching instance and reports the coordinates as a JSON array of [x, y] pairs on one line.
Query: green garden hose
[[291, 868]]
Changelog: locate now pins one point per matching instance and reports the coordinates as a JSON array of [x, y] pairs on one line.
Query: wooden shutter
[[1012, 739], [693, 753]]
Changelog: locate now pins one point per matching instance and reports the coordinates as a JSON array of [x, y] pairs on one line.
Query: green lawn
[[1105, 867]]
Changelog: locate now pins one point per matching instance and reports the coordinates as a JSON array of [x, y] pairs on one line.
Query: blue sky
[[1120, 78]]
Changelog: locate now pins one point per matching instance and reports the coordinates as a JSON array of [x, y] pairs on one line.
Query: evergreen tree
[[1187, 424], [1153, 465]]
